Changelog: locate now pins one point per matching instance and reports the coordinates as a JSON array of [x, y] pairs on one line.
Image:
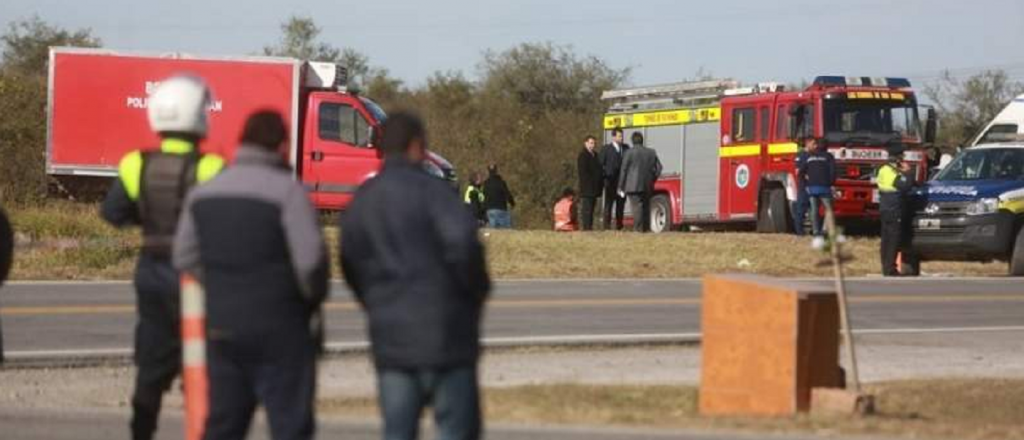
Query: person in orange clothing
[[565, 212]]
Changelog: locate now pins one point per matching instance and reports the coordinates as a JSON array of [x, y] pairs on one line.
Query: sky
[[660, 40]]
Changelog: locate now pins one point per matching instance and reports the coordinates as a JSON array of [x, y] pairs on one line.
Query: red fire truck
[[728, 151], [97, 114]]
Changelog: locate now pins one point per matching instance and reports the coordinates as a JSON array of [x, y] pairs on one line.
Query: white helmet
[[179, 104]]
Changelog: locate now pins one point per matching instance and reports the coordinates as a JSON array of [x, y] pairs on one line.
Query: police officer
[[149, 192], [894, 185]]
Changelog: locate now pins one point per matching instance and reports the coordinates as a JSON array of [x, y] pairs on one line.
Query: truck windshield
[[870, 120], [985, 164], [378, 113]]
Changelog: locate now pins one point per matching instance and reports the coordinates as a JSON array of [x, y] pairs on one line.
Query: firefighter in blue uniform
[[149, 192]]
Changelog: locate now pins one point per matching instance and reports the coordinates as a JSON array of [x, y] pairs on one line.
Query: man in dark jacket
[[591, 175], [819, 171], [640, 169], [6, 257], [611, 161], [412, 256], [498, 200], [253, 239]]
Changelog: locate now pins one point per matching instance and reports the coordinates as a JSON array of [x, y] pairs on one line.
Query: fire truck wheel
[[660, 219], [773, 216], [1017, 260]]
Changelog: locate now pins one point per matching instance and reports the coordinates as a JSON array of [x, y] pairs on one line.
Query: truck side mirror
[[931, 126], [371, 135]]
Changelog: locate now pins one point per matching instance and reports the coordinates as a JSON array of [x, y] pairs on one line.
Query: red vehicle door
[[741, 153], [338, 156]]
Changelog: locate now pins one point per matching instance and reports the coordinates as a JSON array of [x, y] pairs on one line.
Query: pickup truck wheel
[[1017, 260], [773, 213], [661, 218]]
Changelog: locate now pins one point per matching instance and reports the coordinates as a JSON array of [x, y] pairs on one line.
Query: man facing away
[[640, 169], [498, 200], [411, 253], [819, 170], [149, 192], [611, 160], [253, 239], [591, 176]]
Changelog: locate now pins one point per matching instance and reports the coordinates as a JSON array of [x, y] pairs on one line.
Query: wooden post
[[844, 316]]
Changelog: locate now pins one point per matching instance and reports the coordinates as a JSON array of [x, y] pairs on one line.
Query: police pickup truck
[[973, 209]]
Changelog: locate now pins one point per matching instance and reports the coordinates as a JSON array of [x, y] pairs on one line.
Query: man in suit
[[591, 176], [611, 161], [640, 169]]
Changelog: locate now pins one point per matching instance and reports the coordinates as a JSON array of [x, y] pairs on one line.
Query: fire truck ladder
[[668, 95]]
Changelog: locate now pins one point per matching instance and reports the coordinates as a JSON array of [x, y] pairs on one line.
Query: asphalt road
[[50, 425], [53, 318]]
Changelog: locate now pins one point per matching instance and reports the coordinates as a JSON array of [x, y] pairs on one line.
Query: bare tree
[[965, 106]]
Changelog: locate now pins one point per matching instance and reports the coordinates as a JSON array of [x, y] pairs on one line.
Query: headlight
[[983, 206]]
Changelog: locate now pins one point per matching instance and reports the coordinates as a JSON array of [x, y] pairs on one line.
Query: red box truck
[[97, 114]]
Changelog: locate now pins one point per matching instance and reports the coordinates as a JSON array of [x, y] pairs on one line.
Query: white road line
[[531, 340], [870, 278]]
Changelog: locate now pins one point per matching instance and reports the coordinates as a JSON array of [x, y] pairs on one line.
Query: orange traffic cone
[[193, 347], [899, 262]]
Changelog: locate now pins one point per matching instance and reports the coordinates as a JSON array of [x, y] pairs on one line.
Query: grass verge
[[63, 240], [976, 409]]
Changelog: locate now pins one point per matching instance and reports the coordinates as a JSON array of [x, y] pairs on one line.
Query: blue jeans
[[819, 195], [499, 219], [800, 211], [453, 393]]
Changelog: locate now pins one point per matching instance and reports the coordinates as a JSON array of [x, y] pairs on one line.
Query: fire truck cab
[[729, 152]]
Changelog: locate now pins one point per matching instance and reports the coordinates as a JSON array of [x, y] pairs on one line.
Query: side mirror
[[371, 136], [931, 126]]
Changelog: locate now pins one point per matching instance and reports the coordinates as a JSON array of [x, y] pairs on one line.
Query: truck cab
[[974, 208]]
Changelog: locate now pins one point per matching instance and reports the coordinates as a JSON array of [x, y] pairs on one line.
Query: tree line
[[526, 108]]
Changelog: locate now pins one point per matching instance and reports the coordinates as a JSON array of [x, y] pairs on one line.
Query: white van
[[1007, 126]]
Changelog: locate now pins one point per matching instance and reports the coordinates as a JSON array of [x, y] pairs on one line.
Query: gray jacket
[[640, 168], [253, 238]]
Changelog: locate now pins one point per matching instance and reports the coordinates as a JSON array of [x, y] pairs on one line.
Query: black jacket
[[6, 246], [591, 174], [253, 237], [611, 160], [496, 194], [818, 169], [410, 252]]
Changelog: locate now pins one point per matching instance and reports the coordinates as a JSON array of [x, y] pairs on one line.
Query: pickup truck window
[[342, 123]]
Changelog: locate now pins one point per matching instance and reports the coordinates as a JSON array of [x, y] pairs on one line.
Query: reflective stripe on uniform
[[130, 171], [209, 167]]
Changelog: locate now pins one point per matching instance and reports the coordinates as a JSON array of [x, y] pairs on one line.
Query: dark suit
[[591, 175], [640, 169], [611, 162]]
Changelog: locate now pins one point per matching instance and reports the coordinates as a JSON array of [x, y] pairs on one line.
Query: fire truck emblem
[[742, 176]]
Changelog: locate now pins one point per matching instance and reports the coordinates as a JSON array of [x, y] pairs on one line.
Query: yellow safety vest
[[887, 177], [130, 168]]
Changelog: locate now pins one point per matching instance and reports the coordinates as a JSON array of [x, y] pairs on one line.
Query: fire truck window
[[743, 124], [764, 124], [339, 122], [782, 123], [362, 131]]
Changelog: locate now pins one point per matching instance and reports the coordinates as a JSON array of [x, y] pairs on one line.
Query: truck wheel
[[1017, 260], [661, 217], [773, 214]]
